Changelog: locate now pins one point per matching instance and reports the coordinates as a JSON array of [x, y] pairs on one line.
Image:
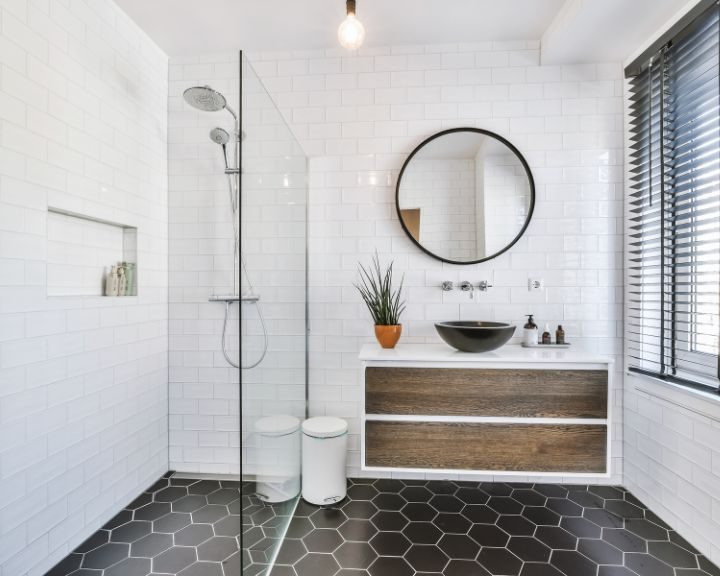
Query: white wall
[[204, 389], [83, 380], [360, 115]]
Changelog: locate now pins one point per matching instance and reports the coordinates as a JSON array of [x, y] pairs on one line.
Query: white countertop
[[510, 353]]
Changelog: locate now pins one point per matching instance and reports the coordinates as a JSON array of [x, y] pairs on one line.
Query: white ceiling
[[571, 30], [182, 27]]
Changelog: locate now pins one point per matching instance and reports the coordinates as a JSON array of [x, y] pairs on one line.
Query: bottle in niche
[[530, 332], [559, 335], [111, 282], [122, 281], [546, 339]]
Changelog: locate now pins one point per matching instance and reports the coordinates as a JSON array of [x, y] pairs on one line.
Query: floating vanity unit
[[512, 411]]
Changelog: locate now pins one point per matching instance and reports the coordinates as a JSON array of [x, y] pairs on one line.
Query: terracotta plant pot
[[388, 336]]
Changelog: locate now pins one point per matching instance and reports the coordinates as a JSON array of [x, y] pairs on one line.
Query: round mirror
[[465, 195]]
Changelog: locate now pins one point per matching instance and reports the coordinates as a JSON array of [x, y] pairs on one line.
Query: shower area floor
[[178, 527]]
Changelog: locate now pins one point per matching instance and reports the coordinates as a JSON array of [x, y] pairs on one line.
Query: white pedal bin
[[278, 477], [324, 452]]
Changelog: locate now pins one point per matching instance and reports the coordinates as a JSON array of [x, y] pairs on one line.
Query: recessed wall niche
[[81, 249]]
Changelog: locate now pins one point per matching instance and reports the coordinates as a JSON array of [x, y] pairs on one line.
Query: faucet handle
[[483, 286], [447, 286]]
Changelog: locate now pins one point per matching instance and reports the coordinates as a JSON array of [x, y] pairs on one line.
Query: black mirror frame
[[478, 131]]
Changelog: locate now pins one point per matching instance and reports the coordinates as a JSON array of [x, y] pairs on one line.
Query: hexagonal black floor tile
[[489, 535], [624, 540], [499, 561], [204, 487], [464, 568], [209, 514], [541, 516], [390, 543], [516, 525], [580, 527], [529, 549], [600, 551], [459, 546], [392, 521], [152, 511], [291, 551], [389, 566], [194, 535], [416, 494], [98, 539], [389, 501], [672, 554], [322, 540], [299, 526], [556, 538], [389, 485], [170, 494], [174, 560], [357, 555], [472, 496], [572, 562], [426, 558], [130, 567], [189, 503], [151, 545], [361, 509], [645, 529], [419, 512], [357, 530], [452, 523], [532, 569], [480, 514], [173, 522], [328, 518], [314, 564], [529, 497], [422, 533], [362, 492], [446, 503], [202, 569], [646, 565], [106, 555], [217, 549]]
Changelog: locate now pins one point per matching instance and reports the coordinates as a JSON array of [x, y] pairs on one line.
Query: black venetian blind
[[673, 320]]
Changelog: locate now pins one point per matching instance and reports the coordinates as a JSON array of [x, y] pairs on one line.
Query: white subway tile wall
[[83, 380], [359, 115], [672, 458]]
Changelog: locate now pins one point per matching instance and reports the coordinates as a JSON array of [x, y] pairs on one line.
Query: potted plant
[[383, 301]]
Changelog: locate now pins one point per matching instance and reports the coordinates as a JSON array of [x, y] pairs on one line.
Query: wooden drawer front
[[511, 447], [479, 392]]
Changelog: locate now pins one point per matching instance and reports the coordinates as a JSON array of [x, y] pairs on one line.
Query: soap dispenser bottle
[[530, 332]]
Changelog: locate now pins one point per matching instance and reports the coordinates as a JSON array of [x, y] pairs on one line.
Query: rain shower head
[[219, 136], [206, 99]]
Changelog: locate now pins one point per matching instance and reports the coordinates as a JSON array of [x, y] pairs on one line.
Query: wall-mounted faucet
[[466, 286]]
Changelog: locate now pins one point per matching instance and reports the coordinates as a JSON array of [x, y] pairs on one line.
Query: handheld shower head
[[219, 136], [206, 99]]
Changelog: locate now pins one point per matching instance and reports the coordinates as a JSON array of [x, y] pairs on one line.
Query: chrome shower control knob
[[483, 286], [447, 286]]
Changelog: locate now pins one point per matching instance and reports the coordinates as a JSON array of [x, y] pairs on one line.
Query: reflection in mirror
[[465, 195]]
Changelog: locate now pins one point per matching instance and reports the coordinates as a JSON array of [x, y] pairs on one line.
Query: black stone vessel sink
[[475, 336]]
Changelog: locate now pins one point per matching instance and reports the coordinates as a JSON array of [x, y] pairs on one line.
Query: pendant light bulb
[[351, 32]]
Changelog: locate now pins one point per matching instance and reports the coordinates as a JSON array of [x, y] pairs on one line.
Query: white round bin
[[278, 477], [323, 460]]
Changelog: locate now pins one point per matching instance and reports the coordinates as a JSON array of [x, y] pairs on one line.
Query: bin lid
[[324, 427], [279, 425]]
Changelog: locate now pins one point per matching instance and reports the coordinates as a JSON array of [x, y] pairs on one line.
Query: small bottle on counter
[[546, 338], [530, 332], [559, 335], [122, 281]]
